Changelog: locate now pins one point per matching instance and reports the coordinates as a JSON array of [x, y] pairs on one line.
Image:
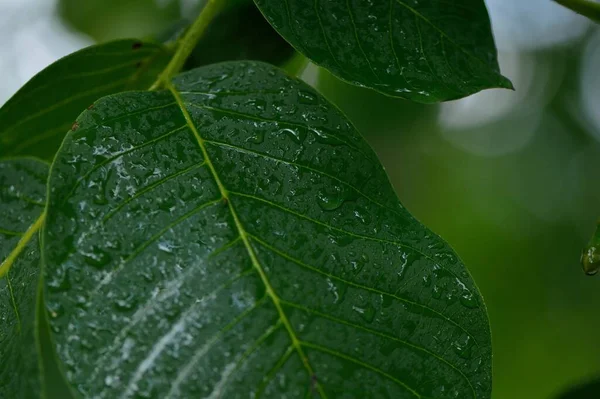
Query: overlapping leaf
[[425, 50], [35, 120], [234, 236], [22, 195]]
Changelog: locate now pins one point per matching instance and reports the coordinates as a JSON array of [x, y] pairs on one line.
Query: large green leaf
[[22, 195], [425, 50], [234, 236], [35, 120]]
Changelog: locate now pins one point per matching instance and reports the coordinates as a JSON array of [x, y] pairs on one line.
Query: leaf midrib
[[296, 343]]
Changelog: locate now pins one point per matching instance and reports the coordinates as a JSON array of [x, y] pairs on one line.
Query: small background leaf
[[22, 196], [426, 50], [235, 236], [240, 32], [588, 8], [35, 120]]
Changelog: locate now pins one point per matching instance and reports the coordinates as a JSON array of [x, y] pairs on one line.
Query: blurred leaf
[[591, 390], [426, 51], [240, 33], [590, 9], [35, 120], [106, 20], [234, 236], [22, 198]]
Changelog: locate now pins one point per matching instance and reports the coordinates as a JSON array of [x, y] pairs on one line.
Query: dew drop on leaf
[[305, 97], [331, 199], [97, 257]]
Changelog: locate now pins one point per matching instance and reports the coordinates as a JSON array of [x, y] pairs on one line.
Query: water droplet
[[362, 215], [326, 138], [358, 263], [55, 309], [338, 290], [97, 257], [59, 282], [307, 97], [100, 199], [257, 137], [166, 246], [332, 198], [590, 260], [257, 103], [463, 347], [436, 292], [367, 312], [297, 135], [468, 299], [125, 304]]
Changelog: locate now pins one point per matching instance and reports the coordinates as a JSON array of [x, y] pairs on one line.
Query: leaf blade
[[426, 51], [35, 120], [236, 250], [22, 192]]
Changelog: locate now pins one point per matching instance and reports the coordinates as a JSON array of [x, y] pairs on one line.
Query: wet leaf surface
[[22, 195], [425, 51], [234, 236], [35, 120]]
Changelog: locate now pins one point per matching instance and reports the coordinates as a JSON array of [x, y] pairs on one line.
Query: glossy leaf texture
[[240, 32], [425, 50], [234, 236], [35, 120], [22, 196]]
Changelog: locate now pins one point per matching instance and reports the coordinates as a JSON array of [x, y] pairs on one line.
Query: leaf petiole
[[186, 45]]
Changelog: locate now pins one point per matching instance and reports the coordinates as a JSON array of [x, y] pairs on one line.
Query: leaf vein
[[301, 166], [349, 233], [280, 123], [245, 239], [362, 364], [383, 335], [360, 286]]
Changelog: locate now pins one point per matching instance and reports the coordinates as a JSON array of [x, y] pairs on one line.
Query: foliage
[[226, 231]]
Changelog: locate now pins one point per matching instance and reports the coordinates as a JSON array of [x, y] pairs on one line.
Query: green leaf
[[22, 196], [35, 120], [234, 236], [425, 51], [590, 9], [240, 33]]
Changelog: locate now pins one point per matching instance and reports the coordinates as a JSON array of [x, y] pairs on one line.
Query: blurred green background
[[509, 179]]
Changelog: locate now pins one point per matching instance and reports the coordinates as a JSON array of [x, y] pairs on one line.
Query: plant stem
[[188, 42]]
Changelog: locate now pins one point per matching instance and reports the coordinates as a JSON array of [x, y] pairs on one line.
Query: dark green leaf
[[106, 20], [589, 390], [22, 195], [240, 33], [35, 120], [236, 237], [426, 50]]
